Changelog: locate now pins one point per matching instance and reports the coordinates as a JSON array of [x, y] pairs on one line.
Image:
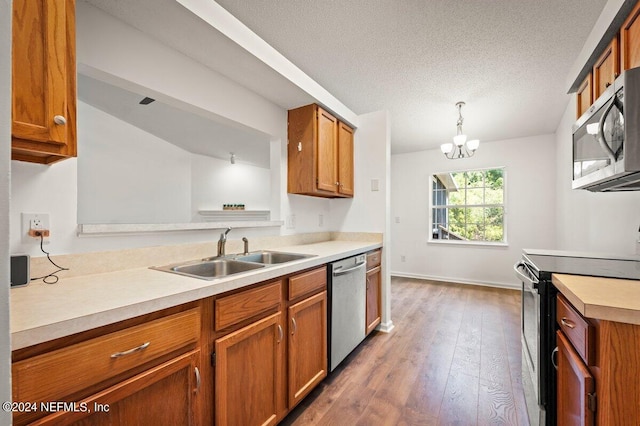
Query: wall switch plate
[[375, 184], [32, 222], [291, 221]]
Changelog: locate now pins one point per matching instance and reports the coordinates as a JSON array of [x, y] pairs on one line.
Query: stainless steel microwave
[[606, 139]]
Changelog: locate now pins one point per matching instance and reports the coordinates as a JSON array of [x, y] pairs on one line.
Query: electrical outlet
[[320, 220], [403, 258], [291, 221], [35, 225]]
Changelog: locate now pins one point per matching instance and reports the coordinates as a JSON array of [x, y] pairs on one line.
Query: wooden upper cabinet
[[327, 151], [630, 40], [43, 122], [320, 154], [584, 96], [345, 163], [606, 69]]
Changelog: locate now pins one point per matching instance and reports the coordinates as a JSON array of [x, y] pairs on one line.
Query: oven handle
[[532, 284], [554, 355]]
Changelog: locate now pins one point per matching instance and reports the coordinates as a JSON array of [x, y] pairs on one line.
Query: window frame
[[503, 243]]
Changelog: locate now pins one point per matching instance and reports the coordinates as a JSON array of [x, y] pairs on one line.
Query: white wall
[[587, 221], [530, 212], [369, 210], [128, 175], [5, 193], [215, 182]]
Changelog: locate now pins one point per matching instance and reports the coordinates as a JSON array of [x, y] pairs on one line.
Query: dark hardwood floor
[[452, 358]]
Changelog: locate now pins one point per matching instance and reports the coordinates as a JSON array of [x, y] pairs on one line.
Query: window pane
[[456, 198], [493, 196], [475, 179], [475, 196], [477, 212]]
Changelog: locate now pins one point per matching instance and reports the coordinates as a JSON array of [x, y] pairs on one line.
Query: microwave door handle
[[601, 139]]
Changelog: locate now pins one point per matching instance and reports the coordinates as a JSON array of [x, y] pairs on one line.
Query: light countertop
[[42, 312], [601, 298]]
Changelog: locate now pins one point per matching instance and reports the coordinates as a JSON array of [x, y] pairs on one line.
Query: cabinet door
[[575, 385], [43, 80], [307, 346], [374, 307], [327, 152], [164, 395], [606, 69], [630, 40], [345, 160], [584, 96], [249, 374]]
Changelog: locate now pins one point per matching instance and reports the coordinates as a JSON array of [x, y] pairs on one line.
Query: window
[[469, 206]]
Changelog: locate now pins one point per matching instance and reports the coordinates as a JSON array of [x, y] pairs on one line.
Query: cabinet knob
[[299, 146], [294, 326], [607, 84], [198, 379], [59, 119]]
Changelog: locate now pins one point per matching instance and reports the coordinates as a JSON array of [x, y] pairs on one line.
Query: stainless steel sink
[[219, 267], [211, 269], [271, 257]]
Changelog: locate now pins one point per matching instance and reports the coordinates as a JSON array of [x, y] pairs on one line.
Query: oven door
[[530, 323]]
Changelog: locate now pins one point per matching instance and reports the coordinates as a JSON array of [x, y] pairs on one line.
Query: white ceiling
[[507, 59]]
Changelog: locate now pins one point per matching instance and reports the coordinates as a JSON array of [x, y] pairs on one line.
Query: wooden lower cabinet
[[374, 292], [168, 394], [307, 346], [248, 374], [575, 386]]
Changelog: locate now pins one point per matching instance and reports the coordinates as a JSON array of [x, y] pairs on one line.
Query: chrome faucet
[[222, 241], [246, 245]]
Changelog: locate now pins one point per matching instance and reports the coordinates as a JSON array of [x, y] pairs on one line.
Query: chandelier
[[461, 147]]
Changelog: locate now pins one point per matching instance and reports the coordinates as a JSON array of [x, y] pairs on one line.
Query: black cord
[[53, 274]]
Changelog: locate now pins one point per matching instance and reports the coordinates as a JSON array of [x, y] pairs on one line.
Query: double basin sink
[[220, 267]]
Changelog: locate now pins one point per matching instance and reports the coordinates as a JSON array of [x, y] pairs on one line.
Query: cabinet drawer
[[62, 372], [307, 282], [577, 329], [238, 307], [373, 259]]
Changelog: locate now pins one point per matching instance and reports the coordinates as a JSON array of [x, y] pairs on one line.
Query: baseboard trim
[[509, 286], [385, 327]]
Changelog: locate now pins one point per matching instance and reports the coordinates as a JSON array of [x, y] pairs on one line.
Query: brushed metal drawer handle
[[280, 333], [130, 351], [567, 323], [198, 381], [294, 326]]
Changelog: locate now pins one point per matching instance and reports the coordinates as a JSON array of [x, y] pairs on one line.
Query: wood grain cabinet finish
[[320, 154], [111, 367], [248, 374], [168, 394], [307, 346], [630, 40], [575, 386], [584, 96], [374, 290], [606, 69], [43, 124], [598, 370]]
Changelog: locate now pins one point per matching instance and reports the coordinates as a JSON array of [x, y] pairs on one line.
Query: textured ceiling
[[507, 59]]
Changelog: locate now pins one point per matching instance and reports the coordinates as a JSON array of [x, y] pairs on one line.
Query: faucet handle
[[246, 245]]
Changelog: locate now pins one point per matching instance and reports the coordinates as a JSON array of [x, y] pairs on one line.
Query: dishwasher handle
[[339, 271]]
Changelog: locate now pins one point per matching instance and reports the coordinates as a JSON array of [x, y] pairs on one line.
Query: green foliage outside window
[[469, 205]]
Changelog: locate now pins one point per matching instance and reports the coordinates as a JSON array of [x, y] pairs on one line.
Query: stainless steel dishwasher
[[347, 307]]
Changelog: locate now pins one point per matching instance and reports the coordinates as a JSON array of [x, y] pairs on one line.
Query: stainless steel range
[[539, 317]]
